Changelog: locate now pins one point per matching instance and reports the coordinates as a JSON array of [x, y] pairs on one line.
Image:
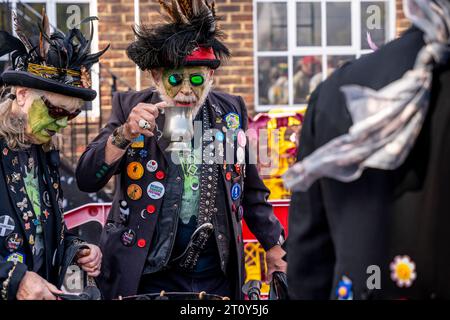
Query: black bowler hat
[[56, 63]]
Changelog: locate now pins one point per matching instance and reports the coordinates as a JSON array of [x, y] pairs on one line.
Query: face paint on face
[[185, 86], [41, 126]]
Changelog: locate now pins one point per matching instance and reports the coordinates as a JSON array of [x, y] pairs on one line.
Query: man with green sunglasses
[[177, 227]]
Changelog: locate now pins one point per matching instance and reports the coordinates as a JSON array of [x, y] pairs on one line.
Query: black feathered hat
[[190, 37], [56, 63]]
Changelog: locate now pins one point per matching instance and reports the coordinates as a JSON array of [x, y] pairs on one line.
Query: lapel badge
[[218, 120], [131, 152], [344, 290], [138, 142], [46, 199], [22, 205], [15, 161], [31, 240], [5, 152], [134, 191], [25, 217], [135, 170], [13, 242], [403, 271], [15, 177], [27, 226], [241, 138], [217, 109], [16, 257], [143, 153], [235, 191], [152, 166], [7, 225], [155, 190], [128, 238], [11, 187], [46, 213], [233, 121]]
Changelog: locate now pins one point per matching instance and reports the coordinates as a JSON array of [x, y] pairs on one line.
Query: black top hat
[[190, 37], [56, 63]]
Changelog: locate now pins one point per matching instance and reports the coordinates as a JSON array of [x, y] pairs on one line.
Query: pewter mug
[[178, 128]]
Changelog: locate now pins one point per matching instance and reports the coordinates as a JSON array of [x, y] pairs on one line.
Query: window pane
[[339, 24], [307, 76], [70, 15], [30, 15], [373, 21], [273, 83], [272, 26], [309, 17], [335, 62], [5, 17]]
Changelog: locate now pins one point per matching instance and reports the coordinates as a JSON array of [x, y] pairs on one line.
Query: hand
[[142, 111], [275, 262], [34, 287], [90, 260]]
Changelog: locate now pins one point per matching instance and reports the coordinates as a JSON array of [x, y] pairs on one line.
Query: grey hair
[[12, 126]]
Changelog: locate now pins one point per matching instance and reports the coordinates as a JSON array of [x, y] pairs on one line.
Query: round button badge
[[152, 166], [134, 192], [241, 138], [155, 190], [135, 170], [128, 238]]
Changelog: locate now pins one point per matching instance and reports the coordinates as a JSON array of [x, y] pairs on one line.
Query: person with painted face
[[44, 90], [163, 207]]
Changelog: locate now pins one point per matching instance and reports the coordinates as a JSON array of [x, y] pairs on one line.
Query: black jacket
[[340, 229], [60, 246], [123, 266]]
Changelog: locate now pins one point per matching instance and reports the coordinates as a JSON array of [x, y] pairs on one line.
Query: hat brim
[[28, 80], [213, 64]]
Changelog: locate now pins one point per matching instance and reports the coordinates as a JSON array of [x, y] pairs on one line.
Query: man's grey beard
[[200, 102]]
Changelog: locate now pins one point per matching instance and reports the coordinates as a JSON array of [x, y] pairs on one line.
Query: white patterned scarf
[[386, 122]]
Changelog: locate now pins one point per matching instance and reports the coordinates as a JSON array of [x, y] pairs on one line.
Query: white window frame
[[51, 13], [323, 50]]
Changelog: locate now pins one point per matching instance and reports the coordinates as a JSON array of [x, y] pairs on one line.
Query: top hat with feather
[[189, 37], [56, 62]]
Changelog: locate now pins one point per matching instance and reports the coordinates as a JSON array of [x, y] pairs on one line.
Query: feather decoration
[[9, 43], [20, 32], [178, 15], [44, 37]]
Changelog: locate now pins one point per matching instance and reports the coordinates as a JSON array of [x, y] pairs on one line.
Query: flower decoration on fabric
[[344, 289], [403, 271]]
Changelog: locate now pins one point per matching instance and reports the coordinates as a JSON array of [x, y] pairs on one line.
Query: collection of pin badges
[[13, 241]]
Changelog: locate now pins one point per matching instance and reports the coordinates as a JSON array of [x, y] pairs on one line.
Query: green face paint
[[193, 78], [40, 122]]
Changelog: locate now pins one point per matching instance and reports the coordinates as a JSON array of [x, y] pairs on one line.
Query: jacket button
[[220, 237], [151, 208], [178, 179], [175, 206], [141, 243]]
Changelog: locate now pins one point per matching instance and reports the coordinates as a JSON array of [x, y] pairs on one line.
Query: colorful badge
[[135, 170], [143, 153], [13, 242], [155, 190], [235, 191], [128, 238], [403, 271], [240, 155], [241, 138], [152, 166], [134, 192], [344, 289], [16, 257], [7, 225], [46, 199], [233, 121], [138, 142], [219, 136]]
